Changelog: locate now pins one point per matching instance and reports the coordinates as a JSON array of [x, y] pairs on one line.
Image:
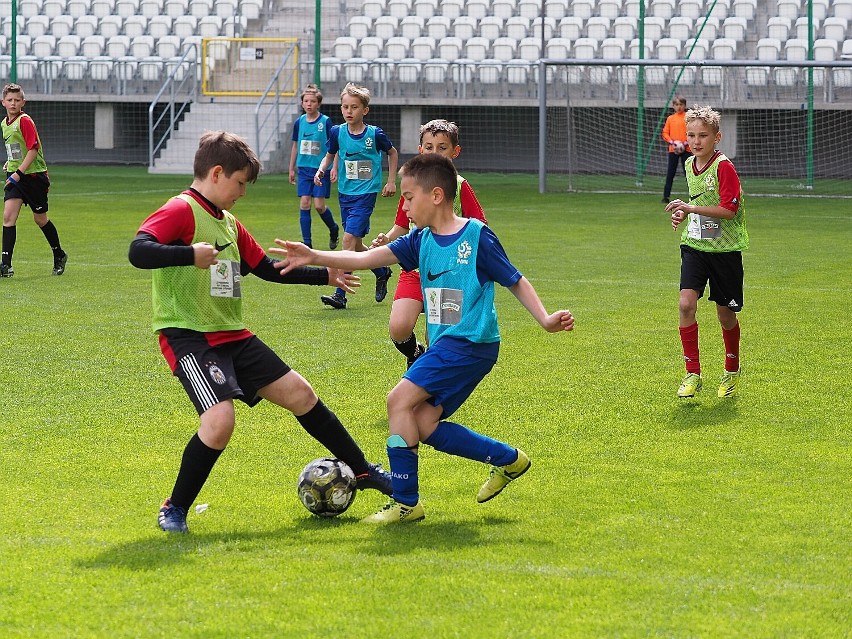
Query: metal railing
[[269, 112], [182, 82]]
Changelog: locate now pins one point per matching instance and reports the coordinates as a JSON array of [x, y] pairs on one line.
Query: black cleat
[[336, 301], [376, 478], [417, 353], [6, 270], [382, 284], [333, 237], [59, 263]]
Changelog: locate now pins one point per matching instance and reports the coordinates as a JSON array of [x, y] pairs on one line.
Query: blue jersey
[[457, 275], [312, 139], [359, 158]]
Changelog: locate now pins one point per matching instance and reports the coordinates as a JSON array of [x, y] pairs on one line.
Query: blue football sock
[[305, 223], [455, 439], [328, 219], [403, 465]]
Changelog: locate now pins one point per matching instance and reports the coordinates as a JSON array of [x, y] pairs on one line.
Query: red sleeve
[[729, 186], [171, 223], [401, 218], [469, 204], [250, 251], [28, 130]]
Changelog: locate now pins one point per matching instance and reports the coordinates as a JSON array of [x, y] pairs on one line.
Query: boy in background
[[359, 147], [27, 181], [711, 246], [199, 252], [462, 259], [310, 136], [441, 137]]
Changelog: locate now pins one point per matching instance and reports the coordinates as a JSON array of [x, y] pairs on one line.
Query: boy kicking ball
[[460, 260]]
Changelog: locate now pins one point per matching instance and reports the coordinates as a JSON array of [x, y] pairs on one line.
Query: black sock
[[198, 460], [325, 427], [10, 233], [408, 347], [52, 236]]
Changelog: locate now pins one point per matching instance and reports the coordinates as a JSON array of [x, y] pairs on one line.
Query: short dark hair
[[227, 150], [430, 170], [313, 90]]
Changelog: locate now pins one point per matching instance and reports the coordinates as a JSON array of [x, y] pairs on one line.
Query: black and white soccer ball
[[327, 487]]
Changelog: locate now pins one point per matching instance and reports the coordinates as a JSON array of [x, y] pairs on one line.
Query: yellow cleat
[[690, 385], [502, 475], [728, 384], [396, 513]]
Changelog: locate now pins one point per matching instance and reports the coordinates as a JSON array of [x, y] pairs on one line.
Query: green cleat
[[502, 475], [396, 513], [690, 385], [728, 384]]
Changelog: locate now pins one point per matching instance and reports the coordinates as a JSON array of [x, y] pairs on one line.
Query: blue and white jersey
[[312, 139], [359, 158], [457, 275]]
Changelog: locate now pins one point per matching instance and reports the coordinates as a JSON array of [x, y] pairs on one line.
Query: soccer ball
[[327, 487], [679, 147]]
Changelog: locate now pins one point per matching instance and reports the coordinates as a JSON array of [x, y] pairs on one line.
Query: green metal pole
[[810, 142], [640, 97], [13, 72], [317, 41]]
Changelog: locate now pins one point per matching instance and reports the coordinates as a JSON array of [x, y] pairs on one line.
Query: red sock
[[732, 348], [689, 339]]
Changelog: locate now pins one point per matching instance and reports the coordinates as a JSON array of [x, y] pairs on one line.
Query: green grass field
[[642, 516]]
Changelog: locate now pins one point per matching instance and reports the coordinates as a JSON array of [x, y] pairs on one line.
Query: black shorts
[[213, 374], [32, 189], [724, 271]]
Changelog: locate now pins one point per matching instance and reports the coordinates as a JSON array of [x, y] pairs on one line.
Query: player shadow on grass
[[694, 414]]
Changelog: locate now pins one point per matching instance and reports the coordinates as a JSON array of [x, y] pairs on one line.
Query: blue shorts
[[355, 212], [448, 376], [305, 183]]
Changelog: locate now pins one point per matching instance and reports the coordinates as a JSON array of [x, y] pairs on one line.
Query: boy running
[[711, 246], [310, 136], [27, 181], [461, 259], [359, 147]]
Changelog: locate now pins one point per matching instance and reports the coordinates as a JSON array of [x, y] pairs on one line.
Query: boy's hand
[[333, 174], [678, 210], [204, 255], [341, 279], [381, 240], [559, 321], [317, 179], [389, 190], [292, 176], [295, 255]]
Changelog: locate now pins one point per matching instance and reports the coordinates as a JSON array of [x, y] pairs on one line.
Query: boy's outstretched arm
[[551, 322], [297, 254]]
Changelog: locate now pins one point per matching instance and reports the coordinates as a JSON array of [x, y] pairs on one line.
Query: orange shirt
[[675, 129]]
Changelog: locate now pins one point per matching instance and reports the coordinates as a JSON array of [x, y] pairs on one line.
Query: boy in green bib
[[711, 246], [198, 253]]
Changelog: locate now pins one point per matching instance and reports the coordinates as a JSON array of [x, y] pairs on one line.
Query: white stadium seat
[[43, 46], [535, 28], [118, 46], [61, 25], [477, 9], [396, 48], [517, 27], [175, 8], [663, 8], [77, 8], [344, 47], [532, 8], [373, 8], [476, 49], [85, 26], [680, 28], [384, 27], [126, 8], [623, 27], [210, 26], [159, 26], [778, 27], [691, 8], [185, 26], [168, 46], [438, 27], [53, 8], [735, 28], [360, 27], [102, 8], [92, 46], [37, 26], [142, 46], [768, 49], [451, 8], [464, 27], [503, 49], [490, 27], [398, 8], [411, 27], [135, 25], [425, 8], [609, 9], [68, 46], [556, 9], [423, 48], [582, 9], [370, 48], [504, 9], [744, 9], [597, 28], [449, 48], [843, 9], [788, 9], [835, 29], [110, 26]]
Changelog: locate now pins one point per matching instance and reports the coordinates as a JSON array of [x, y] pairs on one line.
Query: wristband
[[20, 175], [12, 179]]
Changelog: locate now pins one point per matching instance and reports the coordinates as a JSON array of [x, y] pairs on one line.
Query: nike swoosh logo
[[434, 276], [351, 155], [222, 247]]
